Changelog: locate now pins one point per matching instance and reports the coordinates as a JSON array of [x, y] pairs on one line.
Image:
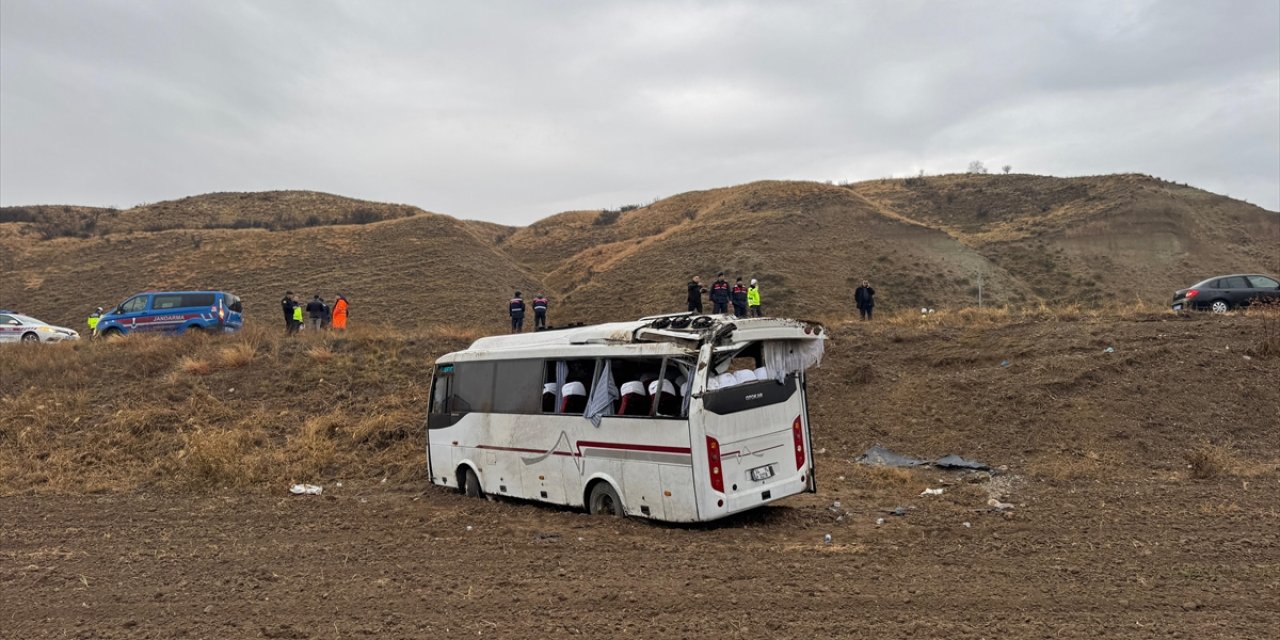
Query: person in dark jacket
[[516, 309], [720, 295], [287, 305], [695, 294], [739, 297], [540, 304], [865, 297], [316, 312]]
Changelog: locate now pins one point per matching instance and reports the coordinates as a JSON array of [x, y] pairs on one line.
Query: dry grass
[[195, 366], [1268, 330], [1210, 460], [251, 410], [997, 316]]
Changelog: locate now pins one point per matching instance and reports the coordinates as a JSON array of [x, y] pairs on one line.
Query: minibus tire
[[112, 333], [604, 501], [700, 322], [471, 484]]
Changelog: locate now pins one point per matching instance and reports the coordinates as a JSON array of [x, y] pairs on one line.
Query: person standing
[[93, 322], [540, 303], [297, 316], [516, 309], [753, 300], [720, 295], [288, 306], [695, 294], [865, 297], [739, 296], [315, 312], [340, 308]]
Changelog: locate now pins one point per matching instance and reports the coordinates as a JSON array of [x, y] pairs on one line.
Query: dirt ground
[[1111, 533]]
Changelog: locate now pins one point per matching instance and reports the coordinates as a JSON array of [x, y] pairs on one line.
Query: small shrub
[[1209, 461], [607, 218], [195, 366]]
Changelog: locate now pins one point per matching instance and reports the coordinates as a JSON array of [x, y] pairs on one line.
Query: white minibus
[[678, 418]]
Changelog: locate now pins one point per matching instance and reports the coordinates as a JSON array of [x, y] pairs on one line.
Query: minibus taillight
[[797, 434], [713, 462], [222, 313]]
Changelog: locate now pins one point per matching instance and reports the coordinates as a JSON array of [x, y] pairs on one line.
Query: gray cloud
[[510, 111]]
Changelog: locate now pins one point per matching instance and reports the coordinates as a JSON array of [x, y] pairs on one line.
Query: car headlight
[[46, 329]]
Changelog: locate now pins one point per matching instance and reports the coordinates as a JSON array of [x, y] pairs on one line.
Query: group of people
[[317, 314], [744, 298], [517, 307]]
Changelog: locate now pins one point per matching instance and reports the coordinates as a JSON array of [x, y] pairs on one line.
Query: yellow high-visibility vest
[[93, 323], [753, 297], [297, 313]]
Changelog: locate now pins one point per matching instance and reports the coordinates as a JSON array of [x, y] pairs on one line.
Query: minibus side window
[[516, 386], [578, 375], [472, 388]]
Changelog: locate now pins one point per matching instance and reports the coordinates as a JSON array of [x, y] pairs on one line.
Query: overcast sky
[[511, 111]]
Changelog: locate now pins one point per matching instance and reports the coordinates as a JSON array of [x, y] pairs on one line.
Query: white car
[[15, 327]]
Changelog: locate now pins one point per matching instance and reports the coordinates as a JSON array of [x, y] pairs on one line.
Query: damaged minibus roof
[[675, 334]]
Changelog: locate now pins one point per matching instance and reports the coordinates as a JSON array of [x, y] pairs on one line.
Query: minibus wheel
[[604, 500], [471, 484]]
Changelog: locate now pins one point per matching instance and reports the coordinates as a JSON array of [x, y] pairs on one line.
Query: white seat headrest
[[574, 389], [726, 380], [713, 383], [635, 387], [762, 373], [549, 387], [667, 387], [744, 376]]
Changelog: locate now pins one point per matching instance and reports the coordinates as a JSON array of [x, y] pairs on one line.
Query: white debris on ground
[[306, 490]]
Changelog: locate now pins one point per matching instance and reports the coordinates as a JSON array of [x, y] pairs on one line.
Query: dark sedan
[[1220, 294]]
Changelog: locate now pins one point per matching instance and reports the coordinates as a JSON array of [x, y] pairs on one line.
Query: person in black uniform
[[287, 305], [540, 304], [720, 295], [316, 312], [695, 294], [516, 309], [739, 297], [865, 297]]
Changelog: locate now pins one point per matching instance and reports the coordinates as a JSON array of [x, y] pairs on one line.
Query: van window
[[134, 304], [182, 300]]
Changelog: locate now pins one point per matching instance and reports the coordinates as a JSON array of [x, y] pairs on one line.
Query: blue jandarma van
[[174, 312]]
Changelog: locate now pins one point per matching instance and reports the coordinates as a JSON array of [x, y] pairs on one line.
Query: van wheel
[[194, 330], [30, 337], [604, 501], [471, 484], [112, 333]]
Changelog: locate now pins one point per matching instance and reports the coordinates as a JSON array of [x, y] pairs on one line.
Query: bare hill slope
[[921, 241], [407, 271]]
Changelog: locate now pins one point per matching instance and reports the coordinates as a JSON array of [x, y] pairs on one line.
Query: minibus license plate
[[762, 473]]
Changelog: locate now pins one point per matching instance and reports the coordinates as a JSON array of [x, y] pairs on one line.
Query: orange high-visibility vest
[[340, 314]]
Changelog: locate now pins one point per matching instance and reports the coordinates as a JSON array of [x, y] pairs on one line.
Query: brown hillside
[[1090, 239], [922, 242], [412, 270], [808, 243]]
